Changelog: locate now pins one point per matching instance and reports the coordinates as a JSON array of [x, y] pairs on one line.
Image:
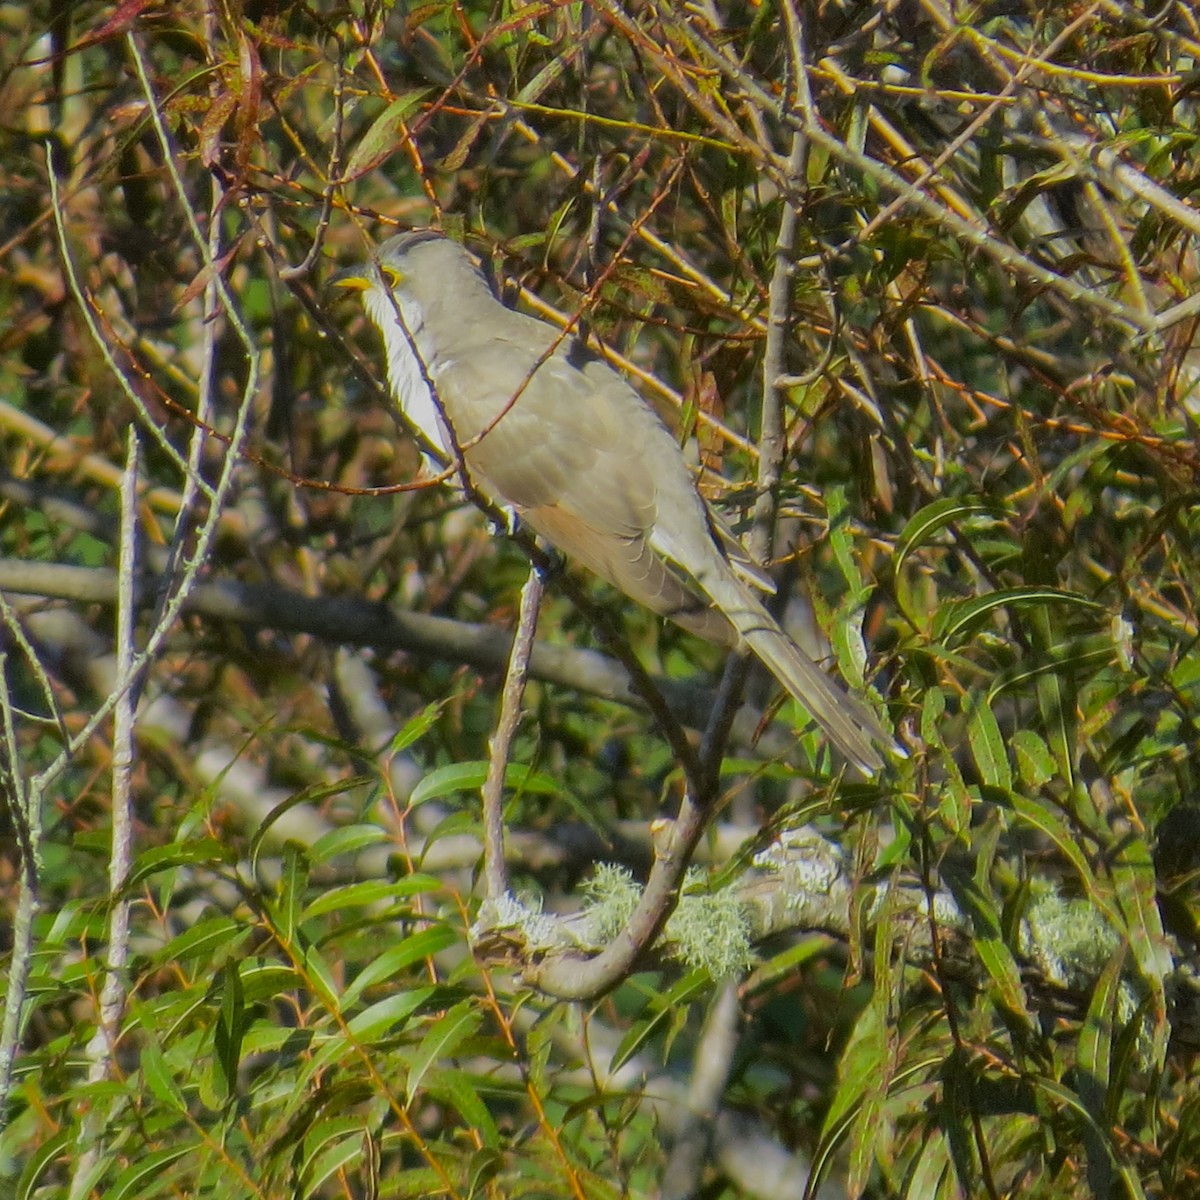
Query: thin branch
[[713, 1060], [333, 181], [206, 534], [26, 820], [970, 229], [353, 621], [501, 743], [102, 1048], [85, 306]]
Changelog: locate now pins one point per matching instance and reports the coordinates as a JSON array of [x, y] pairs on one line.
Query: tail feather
[[852, 727]]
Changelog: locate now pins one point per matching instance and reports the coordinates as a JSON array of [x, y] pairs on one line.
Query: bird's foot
[[504, 521]]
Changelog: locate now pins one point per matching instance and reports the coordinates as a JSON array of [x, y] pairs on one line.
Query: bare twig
[[333, 181], [102, 1047], [501, 743], [189, 573], [713, 1059], [26, 820]]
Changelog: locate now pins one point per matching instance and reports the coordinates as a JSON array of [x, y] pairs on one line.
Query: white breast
[[405, 374]]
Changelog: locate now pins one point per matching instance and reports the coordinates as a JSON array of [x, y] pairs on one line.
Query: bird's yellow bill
[[352, 279], [361, 278]]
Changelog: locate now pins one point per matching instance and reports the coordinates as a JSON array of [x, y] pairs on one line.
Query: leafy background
[[240, 764]]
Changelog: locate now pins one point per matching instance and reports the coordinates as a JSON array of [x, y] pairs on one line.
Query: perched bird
[[558, 437]]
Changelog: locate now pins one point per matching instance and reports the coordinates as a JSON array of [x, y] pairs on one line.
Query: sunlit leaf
[[440, 1042]]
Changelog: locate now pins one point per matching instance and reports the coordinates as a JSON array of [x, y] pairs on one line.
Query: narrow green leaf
[[208, 937], [862, 1077], [412, 949], [331, 1144], [228, 1032], [959, 618], [198, 852], [1035, 763], [987, 745], [975, 901], [371, 891], [469, 776], [1135, 883], [932, 1172], [316, 970], [1047, 822], [841, 542], [933, 518], [459, 1089], [859, 1065], [1071, 1101], [309, 795], [1097, 1036], [380, 1018], [159, 1079], [415, 728], [664, 1008], [148, 1167], [441, 1041], [263, 981], [40, 1159], [381, 140], [958, 1103], [293, 883], [348, 841], [486, 1163]]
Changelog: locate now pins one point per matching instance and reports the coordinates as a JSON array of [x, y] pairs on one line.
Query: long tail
[[851, 726]]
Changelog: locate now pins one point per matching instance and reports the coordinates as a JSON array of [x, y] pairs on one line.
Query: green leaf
[[460, 1090], [1135, 884], [309, 795], [862, 1075], [332, 1143], [369, 892], [987, 745], [1049, 824], [290, 894], [380, 141], [415, 728], [486, 1163], [1097, 1036], [228, 1032], [148, 1167], [205, 939], [263, 981], [841, 542], [315, 970], [441, 1041], [933, 518], [1035, 763], [957, 619], [975, 901], [470, 776], [664, 1008], [159, 1079], [200, 852], [391, 962], [41, 1158], [348, 840], [1097, 1135], [373, 1022], [959, 1101]]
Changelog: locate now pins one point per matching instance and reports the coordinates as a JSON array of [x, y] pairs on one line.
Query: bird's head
[[419, 266]]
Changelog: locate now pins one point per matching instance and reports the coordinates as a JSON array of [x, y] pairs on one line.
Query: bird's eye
[[390, 275]]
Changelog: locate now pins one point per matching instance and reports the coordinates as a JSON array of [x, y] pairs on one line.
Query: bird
[[551, 433]]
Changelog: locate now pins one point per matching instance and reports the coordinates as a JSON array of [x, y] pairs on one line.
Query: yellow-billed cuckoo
[[561, 439]]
